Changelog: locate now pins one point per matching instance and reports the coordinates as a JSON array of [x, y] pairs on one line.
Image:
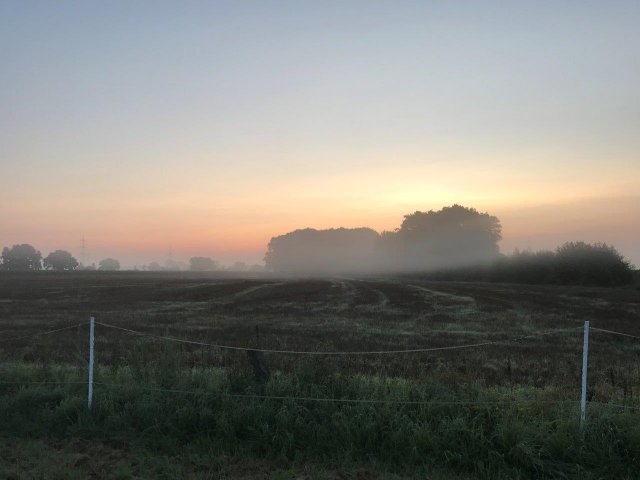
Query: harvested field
[[534, 351]]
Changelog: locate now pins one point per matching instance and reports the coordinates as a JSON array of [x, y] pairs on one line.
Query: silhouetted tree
[[109, 264], [60, 260], [21, 258], [453, 236], [202, 264], [322, 251]]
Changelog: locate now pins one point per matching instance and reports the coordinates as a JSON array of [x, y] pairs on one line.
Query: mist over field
[[456, 242]]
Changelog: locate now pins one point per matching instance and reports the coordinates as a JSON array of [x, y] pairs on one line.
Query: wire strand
[[328, 400], [331, 400], [619, 405], [39, 334], [615, 333], [44, 383], [313, 352]]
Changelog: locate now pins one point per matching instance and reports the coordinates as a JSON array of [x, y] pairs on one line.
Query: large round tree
[[60, 260], [455, 236], [109, 264], [20, 258]]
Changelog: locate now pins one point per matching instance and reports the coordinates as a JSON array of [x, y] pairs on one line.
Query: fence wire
[[335, 400], [248, 396], [318, 352], [613, 332], [313, 352], [48, 332]]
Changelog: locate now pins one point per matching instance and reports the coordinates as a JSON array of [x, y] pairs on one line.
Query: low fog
[[455, 236]]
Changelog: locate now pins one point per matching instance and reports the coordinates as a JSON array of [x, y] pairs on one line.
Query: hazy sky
[[208, 127]]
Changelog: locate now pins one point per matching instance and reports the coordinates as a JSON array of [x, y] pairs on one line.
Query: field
[[503, 405]]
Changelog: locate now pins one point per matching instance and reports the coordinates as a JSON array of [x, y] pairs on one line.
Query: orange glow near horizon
[[534, 210]]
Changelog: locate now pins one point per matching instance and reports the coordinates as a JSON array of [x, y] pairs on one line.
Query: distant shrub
[[597, 264], [573, 263], [525, 267]]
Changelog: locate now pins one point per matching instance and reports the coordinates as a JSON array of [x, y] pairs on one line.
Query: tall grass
[[500, 433]]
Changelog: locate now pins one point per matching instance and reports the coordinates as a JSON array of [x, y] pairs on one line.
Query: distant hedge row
[[574, 263]]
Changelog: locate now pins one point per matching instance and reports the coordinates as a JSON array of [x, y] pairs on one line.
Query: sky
[[205, 128]]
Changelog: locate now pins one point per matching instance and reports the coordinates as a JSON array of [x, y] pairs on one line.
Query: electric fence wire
[[613, 332], [301, 352], [48, 332], [335, 400], [393, 401], [318, 352]]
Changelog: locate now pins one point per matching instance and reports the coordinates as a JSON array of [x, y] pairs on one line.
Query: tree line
[[456, 242], [453, 236], [25, 257]]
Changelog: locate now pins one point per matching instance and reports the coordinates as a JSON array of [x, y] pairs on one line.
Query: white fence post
[[585, 362], [90, 393]]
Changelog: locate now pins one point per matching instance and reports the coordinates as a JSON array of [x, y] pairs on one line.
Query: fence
[[90, 373]]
